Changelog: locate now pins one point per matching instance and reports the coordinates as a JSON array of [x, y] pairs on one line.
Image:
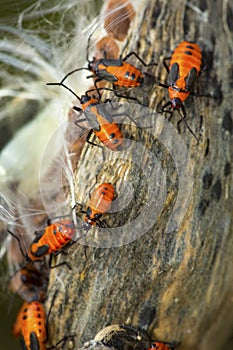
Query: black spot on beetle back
[[189, 47], [132, 76], [188, 53]]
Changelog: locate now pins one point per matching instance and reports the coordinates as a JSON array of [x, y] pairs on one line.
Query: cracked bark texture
[[178, 286]]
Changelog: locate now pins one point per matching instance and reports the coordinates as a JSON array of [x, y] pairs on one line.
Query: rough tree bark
[[177, 285]]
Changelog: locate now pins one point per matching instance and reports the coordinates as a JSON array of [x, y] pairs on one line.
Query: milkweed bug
[[99, 118], [101, 122], [99, 204], [184, 69], [116, 71], [161, 346], [30, 326], [50, 241]]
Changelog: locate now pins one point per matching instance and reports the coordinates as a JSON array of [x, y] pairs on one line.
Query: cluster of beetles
[[185, 65]]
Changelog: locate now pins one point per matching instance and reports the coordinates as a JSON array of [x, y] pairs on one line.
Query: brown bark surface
[[176, 285]]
